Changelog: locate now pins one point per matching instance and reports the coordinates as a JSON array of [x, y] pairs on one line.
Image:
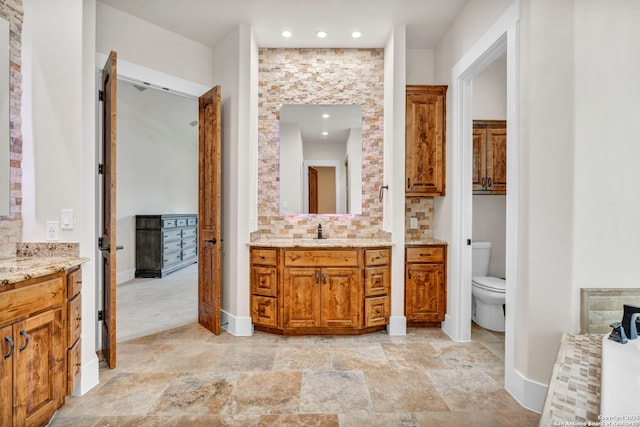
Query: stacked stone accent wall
[[11, 225], [420, 208], [320, 76]]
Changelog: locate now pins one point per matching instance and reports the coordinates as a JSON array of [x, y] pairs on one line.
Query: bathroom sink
[[620, 381]]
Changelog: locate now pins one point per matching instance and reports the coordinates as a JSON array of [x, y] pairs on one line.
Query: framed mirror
[[5, 155], [320, 159]]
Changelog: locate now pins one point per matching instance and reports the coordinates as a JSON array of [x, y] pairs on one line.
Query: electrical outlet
[[53, 228], [413, 222]]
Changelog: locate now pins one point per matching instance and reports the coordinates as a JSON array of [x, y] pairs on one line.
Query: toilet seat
[[493, 284]]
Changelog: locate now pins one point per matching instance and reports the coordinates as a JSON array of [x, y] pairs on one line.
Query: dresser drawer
[[169, 223], [264, 256], [191, 221], [74, 283], [189, 232], [169, 235], [188, 253], [376, 257], [181, 222], [189, 241], [313, 258], [425, 254], [172, 258], [74, 319], [172, 246]]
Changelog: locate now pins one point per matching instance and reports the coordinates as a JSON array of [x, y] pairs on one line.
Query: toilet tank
[[480, 255]]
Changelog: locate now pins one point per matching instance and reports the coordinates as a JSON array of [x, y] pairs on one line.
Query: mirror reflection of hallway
[[325, 191]]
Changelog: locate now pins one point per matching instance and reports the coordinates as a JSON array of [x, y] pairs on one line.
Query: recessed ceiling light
[[286, 34], [325, 133], [325, 116], [356, 34], [321, 34]]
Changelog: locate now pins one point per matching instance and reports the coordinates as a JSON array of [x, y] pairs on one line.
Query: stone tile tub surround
[[599, 307], [320, 76]]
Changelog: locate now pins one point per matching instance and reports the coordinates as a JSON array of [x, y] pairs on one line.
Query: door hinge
[[99, 241], [100, 315], [100, 168], [468, 242], [100, 95]]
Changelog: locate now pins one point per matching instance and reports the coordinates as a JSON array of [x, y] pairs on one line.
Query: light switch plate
[[413, 222], [66, 219]]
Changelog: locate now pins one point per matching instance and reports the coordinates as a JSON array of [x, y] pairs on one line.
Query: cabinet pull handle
[[317, 277], [490, 182], [324, 277], [409, 272], [408, 182], [427, 254], [484, 181], [11, 346], [26, 340]]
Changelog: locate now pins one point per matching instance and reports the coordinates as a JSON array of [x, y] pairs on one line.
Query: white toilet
[[487, 293]]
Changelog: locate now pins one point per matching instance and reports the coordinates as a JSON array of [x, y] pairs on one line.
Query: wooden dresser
[[320, 290], [165, 243]]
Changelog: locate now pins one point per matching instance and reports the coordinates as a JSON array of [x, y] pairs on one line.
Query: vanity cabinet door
[[489, 157], [425, 140], [301, 298], [6, 375], [425, 295], [339, 298]]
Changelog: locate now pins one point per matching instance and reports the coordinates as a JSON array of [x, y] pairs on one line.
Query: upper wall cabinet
[[489, 157], [425, 139]]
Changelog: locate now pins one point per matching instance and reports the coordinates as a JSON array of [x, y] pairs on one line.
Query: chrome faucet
[[319, 236], [631, 320]]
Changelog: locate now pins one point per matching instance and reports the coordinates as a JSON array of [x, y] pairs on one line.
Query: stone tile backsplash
[[599, 307]]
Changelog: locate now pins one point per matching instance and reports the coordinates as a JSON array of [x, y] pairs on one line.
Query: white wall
[[151, 46], [420, 66], [157, 162], [489, 211]]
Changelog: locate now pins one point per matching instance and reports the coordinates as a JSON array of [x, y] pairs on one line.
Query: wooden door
[[209, 209], [313, 191], [425, 140], [339, 298], [425, 298], [497, 161], [479, 160], [107, 241], [39, 367], [301, 298], [7, 356]]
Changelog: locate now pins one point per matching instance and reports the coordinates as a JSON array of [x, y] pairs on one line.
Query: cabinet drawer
[[376, 257], [74, 283], [264, 281], [172, 246], [315, 258], [172, 258], [376, 311], [192, 221], [425, 254], [169, 223], [376, 281], [188, 253], [264, 256], [74, 366], [189, 232], [181, 222], [189, 241], [21, 302], [264, 311], [74, 319], [171, 235]]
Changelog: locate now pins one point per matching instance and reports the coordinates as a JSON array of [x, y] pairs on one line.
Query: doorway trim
[[502, 36], [306, 164]]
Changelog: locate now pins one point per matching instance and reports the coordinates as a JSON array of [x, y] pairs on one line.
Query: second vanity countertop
[[337, 243], [18, 269]]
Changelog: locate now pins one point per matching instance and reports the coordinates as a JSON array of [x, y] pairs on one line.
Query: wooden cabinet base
[[319, 331]]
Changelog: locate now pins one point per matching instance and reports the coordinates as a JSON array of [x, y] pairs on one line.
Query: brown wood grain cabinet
[[40, 326], [489, 157], [317, 291], [425, 139], [425, 284]]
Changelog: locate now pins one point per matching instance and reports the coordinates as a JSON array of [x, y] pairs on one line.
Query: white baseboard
[[89, 377], [397, 325], [125, 276], [530, 394], [235, 325]]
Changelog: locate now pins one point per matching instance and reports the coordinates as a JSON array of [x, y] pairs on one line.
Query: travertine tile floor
[[189, 377]]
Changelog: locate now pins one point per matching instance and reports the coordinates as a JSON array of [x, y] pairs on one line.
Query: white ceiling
[[208, 21]]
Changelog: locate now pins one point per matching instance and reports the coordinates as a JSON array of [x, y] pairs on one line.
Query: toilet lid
[[490, 283]]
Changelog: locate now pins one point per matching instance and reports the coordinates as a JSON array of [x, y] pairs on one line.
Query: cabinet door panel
[[40, 375], [339, 299], [264, 281], [425, 292], [264, 311], [301, 298], [376, 311], [6, 375], [376, 281], [479, 159], [497, 161]]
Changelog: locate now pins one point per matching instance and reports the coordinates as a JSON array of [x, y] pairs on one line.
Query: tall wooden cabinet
[[489, 157], [425, 284], [33, 366], [425, 140]]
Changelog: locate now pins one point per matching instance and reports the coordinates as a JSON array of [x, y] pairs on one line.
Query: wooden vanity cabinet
[[317, 291], [489, 157], [74, 328], [425, 123], [425, 285]]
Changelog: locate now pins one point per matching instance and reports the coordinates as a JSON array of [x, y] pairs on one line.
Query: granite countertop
[[13, 270], [320, 243], [423, 242]]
